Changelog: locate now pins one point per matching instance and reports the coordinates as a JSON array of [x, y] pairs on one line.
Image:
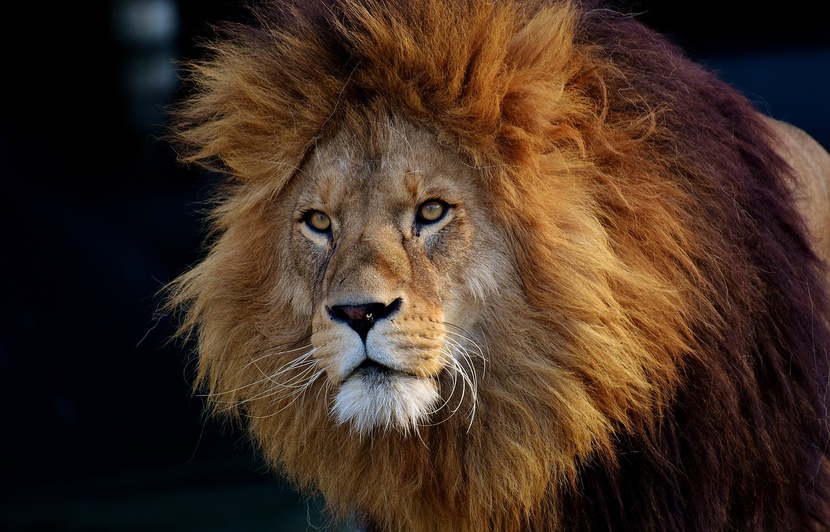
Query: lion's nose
[[362, 318]]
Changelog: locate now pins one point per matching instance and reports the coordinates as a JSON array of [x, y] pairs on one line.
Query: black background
[[99, 429]]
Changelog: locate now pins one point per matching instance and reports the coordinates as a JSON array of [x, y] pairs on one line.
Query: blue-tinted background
[[99, 430]]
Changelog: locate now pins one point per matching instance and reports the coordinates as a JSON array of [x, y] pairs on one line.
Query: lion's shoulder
[[811, 188]]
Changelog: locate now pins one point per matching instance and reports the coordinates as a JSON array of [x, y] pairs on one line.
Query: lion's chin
[[385, 400]]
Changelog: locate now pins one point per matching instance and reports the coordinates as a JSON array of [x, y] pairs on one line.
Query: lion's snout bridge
[[361, 318]]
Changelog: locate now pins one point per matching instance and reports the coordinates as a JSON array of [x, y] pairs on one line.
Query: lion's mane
[[665, 363]]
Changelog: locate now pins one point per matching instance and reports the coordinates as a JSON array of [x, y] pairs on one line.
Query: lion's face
[[394, 251]]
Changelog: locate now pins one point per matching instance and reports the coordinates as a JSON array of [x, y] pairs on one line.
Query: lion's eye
[[431, 211], [318, 221]]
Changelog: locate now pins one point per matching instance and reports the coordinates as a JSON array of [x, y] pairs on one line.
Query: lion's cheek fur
[[620, 321]]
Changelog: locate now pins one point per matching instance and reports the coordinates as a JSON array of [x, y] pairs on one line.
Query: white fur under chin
[[385, 402]]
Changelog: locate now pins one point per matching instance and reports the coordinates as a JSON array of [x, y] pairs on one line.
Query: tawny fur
[[649, 305]]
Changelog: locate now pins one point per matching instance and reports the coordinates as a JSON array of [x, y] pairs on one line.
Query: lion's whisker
[[296, 382], [452, 357], [295, 394], [472, 383], [468, 339], [462, 352], [254, 361], [302, 375]]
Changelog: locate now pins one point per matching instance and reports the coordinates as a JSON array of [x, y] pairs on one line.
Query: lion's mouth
[[376, 371], [370, 366]]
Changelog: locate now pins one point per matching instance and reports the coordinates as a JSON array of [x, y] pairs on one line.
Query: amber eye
[[318, 221], [431, 211]]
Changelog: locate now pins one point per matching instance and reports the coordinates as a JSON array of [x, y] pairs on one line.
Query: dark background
[[99, 430]]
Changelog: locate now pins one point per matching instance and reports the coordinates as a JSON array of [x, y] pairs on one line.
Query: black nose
[[361, 318]]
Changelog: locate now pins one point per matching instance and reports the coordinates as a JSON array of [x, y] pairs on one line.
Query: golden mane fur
[[646, 316]]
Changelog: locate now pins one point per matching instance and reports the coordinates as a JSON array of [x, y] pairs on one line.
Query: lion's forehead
[[402, 165]]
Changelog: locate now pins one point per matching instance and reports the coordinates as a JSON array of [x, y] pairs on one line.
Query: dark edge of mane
[[701, 471]]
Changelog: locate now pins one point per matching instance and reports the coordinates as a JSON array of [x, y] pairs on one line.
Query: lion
[[508, 265]]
